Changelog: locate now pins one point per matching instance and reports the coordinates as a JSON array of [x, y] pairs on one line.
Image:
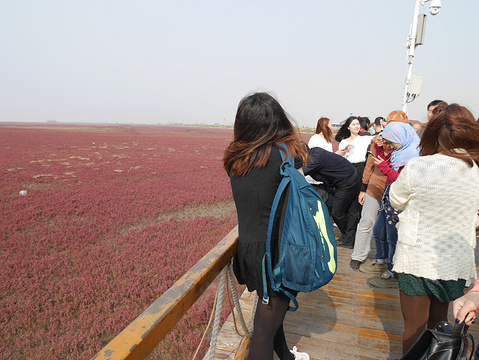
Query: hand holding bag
[[444, 342]]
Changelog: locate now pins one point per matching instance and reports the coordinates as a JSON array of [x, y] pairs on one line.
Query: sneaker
[[299, 355], [383, 282], [373, 267], [354, 264], [386, 275]]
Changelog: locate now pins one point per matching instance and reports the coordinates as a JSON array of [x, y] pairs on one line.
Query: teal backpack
[[307, 244]]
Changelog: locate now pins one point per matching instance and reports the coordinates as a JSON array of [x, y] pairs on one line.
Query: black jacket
[[330, 168]]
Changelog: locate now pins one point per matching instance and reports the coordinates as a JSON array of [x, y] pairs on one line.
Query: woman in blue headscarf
[[401, 142]]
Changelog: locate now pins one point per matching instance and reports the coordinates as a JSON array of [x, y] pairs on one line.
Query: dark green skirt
[[444, 291]]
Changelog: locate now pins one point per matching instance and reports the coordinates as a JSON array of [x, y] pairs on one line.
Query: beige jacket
[[439, 198]]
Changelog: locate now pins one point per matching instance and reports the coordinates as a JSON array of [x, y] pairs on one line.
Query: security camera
[[435, 7]]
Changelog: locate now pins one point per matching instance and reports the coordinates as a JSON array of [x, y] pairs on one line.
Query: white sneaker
[[299, 355]]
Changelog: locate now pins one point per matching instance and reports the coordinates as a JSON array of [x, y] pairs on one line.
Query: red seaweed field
[[96, 222]]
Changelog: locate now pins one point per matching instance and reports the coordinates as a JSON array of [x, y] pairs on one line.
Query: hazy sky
[[150, 62]]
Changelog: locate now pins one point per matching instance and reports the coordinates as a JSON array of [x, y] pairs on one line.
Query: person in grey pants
[[372, 188]]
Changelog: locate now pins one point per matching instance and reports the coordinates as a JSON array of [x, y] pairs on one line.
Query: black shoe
[[354, 264]]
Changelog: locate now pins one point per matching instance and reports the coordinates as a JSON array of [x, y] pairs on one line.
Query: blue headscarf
[[405, 135]]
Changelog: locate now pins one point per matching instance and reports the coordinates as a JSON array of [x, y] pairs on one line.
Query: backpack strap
[[285, 155], [275, 276], [267, 261], [292, 298], [265, 299], [289, 161]]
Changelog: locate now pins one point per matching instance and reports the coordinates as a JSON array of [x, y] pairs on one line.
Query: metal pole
[[411, 45]]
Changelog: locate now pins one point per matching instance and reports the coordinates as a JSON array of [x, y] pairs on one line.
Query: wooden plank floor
[[347, 319]]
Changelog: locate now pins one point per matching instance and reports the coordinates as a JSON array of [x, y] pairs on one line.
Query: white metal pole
[[411, 45]]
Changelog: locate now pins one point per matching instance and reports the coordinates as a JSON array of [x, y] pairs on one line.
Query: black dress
[[253, 195]]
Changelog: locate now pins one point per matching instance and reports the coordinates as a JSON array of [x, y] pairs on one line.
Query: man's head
[[433, 105], [378, 123]]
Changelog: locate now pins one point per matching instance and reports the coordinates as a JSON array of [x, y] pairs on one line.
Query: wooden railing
[[141, 337]]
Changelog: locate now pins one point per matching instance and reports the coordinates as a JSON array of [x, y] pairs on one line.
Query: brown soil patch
[[191, 212]]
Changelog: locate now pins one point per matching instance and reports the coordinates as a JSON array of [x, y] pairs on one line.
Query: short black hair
[[364, 123], [434, 103]]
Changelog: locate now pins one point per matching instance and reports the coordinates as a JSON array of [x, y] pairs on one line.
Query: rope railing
[[247, 329], [231, 290], [141, 337], [219, 307]]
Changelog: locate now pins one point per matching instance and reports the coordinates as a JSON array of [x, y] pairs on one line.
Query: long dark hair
[[343, 132], [322, 127], [452, 127], [260, 122]]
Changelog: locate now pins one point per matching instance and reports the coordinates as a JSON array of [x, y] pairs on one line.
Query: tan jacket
[[373, 179]]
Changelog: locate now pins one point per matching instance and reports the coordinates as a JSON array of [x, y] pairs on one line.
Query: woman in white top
[[322, 139], [323, 136], [353, 147], [438, 194]]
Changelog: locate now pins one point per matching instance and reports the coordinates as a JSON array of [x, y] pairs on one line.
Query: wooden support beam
[[141, 337], [243, 349]]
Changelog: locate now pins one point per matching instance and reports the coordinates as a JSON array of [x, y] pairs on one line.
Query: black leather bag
[[444, 342]]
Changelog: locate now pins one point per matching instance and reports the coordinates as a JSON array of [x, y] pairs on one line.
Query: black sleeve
[[314, 165], [298, 163], [364, 187]]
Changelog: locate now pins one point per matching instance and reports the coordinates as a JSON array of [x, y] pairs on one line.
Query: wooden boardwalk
[[347, 319]]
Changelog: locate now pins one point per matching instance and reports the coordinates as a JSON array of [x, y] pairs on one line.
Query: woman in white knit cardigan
[[438, 194]]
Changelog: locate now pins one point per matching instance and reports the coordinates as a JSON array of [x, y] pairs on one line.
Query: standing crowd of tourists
[[414, 190]]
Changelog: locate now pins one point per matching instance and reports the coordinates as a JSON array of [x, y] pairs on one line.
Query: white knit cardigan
[[439, 197]]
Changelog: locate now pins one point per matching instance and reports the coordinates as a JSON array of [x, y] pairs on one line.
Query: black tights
[[268, 334]]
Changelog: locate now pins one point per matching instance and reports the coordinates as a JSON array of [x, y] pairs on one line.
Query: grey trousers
[[364, 232]]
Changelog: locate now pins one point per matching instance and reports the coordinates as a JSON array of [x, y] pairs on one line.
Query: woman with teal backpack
[[252, 161]]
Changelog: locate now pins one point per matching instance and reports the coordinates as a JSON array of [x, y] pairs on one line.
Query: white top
[[439, 196], [358, 154], [318, 141]]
